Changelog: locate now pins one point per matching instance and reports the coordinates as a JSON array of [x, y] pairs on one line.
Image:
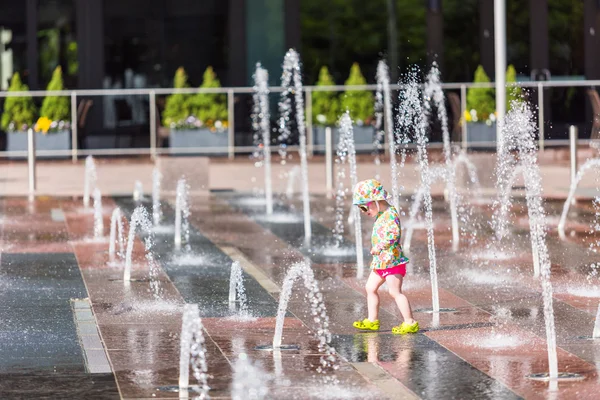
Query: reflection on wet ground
[[484, 349]]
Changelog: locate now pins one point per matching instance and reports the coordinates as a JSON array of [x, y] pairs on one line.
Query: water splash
[[435, 173], [411, 119], [589, 164], [383, 87], [249, 381], [98, 219], [116, 235], [156, 210], [596, 334], [141, 219], [303, 270], [138, 191], [90, 180], [293, 175], [433, 93], [193, 352], [347, 137], [292, 70], [237, 291], [182, 215], [519, 135], [340, 192], [261, 95]]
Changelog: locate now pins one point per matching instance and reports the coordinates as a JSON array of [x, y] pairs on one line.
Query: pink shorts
[[396, 270]]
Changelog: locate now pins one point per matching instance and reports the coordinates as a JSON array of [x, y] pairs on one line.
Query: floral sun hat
[[369, 190]]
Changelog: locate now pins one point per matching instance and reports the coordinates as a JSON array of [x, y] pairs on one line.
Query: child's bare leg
[[395, 289], [373, 284]]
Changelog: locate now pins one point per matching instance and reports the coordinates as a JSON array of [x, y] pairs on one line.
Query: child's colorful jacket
[[386, 240]]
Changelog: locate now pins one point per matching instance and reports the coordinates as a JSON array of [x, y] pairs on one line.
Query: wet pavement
[[484, 349]]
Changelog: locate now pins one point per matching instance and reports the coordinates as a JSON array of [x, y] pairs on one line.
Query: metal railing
[[231, 149]]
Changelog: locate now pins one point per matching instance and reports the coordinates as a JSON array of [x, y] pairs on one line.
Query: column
[[591, 22], [292, 24], [435, 33], [486, 36], [89, 18], [32, 44], [237, 43]]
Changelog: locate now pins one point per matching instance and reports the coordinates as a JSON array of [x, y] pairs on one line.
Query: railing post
[[230, 124], [31, 163], [152, 99], [309, 130], [74, 126], [328, 162], [463, 109], [573, 137], [541, 115]]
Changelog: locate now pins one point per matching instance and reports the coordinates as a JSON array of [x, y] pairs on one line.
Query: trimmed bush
[[360, 103], [177, 107], [482, 100], [325, 105], [210, 108], [56, 108], [513, 93], [19, 112]]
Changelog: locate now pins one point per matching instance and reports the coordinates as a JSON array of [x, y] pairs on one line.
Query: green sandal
[[366, 325], [405, 328]]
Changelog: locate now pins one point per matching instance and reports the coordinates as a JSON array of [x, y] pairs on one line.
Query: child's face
[[369, 209]]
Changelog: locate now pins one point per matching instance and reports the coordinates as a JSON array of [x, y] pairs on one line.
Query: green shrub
[[19, 112], [513, 93], [56, 108], [210, 108], [482, 100], [360, 103], [177, 107], [325, 105]]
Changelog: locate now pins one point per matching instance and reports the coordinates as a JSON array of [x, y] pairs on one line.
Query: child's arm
[[388, 234]]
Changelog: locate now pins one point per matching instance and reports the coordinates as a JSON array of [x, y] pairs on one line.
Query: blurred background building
[[140, 43]]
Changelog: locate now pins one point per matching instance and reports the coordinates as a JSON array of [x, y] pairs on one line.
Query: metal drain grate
[[96, 361]]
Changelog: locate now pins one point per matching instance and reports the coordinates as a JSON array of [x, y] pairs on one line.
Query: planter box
[[198, 138], [481, 132], [363, 135], [61, 140]]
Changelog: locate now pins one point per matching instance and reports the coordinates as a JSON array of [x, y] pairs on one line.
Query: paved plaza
[[73, 329]]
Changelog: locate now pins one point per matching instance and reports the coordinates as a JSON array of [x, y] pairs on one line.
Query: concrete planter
[[363, 135], [481, 132], [180, 139], [60, 140]]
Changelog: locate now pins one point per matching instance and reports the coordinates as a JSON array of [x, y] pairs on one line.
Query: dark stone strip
[[293, 232], [204, 280], [429, 369], [40, 354]]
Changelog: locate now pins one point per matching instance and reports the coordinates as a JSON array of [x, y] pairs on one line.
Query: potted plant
[[360, 103], [197, 120], [513, 92], [53, 127], [325, 108], [18, 116], [480, 114]]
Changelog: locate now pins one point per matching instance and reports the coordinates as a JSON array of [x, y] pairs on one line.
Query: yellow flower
[[43, 124], [467, 116]]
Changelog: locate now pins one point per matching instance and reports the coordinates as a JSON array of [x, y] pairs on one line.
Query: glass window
[[13, 41]]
